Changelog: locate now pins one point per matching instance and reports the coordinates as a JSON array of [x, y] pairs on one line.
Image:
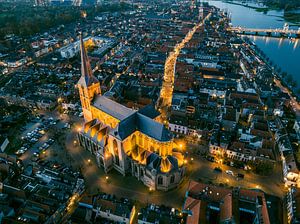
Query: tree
[[264, 168]]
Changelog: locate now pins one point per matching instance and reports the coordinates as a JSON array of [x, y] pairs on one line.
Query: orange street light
[[59, 100]]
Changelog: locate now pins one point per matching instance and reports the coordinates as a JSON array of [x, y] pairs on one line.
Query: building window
[[160, 181], [133, 141], [116, 152], [172, 179]]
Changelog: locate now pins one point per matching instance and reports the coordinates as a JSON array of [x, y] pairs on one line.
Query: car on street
[[19, 152], [240, 175], [229, 172], [210, 158], [50, 141], [36, 154]]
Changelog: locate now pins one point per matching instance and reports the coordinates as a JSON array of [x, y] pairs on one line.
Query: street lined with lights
[[166, 93]]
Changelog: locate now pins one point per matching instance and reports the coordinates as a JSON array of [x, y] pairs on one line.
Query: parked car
[[36, 154], [229, 172], [210, 158], [19, 152], [240, 175]]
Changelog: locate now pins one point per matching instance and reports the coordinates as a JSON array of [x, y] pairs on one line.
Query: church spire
[[88, 85], [87, 77], [86, 69]]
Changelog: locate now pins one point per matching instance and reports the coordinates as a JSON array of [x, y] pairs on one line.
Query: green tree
[[264, 168]]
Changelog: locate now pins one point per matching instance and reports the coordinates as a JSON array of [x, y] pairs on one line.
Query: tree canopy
[[25, 20]]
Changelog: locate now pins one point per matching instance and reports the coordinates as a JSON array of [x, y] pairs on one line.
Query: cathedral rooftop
[[144, 124], [112, 108]]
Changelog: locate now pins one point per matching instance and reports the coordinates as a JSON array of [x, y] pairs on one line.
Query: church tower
[[88, 84]]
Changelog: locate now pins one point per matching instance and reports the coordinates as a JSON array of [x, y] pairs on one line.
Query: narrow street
[[294, 103], [166, 93]]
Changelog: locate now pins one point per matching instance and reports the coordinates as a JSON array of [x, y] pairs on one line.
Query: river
[[282, 52]]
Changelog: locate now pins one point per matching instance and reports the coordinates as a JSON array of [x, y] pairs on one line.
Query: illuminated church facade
[[129, 141]]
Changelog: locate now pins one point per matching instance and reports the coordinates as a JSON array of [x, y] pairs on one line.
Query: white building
[[114, 211], [181, 129], [72, 49]]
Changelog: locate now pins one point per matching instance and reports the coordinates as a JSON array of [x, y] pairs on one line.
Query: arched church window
[[133, 140], [172, 179], [116, 152], [160, 180], [152, 148]]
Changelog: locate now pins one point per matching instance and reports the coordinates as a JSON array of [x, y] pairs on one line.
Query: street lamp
[[59, 100]]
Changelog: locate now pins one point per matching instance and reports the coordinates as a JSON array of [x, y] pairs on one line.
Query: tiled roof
[[193, 205], [112, 108], [149, 111], [145, 125]]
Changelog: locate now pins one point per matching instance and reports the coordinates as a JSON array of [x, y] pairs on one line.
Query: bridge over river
[[283, 32]]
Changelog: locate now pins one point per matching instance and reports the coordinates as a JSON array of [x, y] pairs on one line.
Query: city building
[[292, 202], [153, 214], [129, 141], [211, 204], [72, 49]]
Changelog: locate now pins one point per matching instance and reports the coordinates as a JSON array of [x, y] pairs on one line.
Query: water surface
[[284, 52]]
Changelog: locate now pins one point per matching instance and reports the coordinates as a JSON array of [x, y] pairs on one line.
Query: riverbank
[[246, 5], [282, 54], [277, 75], [291, 16]]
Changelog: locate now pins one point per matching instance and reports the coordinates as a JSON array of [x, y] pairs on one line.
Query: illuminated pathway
[[164, 101]]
